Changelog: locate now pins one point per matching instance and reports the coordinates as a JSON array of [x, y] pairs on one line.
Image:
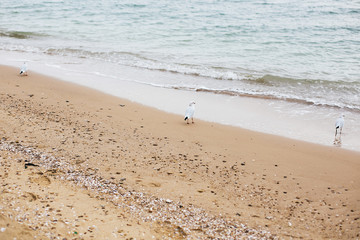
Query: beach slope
[[77, 163]]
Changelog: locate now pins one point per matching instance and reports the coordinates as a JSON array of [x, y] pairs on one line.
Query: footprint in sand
[[29, 196], [42, 180], [155, 185]]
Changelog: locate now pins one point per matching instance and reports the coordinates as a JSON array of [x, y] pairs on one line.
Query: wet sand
[[77, 163]]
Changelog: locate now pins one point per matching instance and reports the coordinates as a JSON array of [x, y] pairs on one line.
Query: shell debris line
[[188, 221]]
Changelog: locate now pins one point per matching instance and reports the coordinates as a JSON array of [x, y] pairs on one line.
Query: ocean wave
[[276, 80], [276, 96], [134, 59], [289, 96], [238, 81], [19, 34], [142, 60]]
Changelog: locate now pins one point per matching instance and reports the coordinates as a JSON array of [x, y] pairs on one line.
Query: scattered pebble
[[146, 207]]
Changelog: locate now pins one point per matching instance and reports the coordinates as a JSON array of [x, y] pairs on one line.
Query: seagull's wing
[[189, 112], [23, 68], [339, 122]]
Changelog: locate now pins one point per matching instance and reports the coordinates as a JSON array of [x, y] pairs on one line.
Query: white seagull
[[339, 124], [190, 112], [24, 69]]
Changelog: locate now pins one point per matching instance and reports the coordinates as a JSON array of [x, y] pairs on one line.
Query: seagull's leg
[[335, 134], [340, 135], [192, 120], [335, 140]]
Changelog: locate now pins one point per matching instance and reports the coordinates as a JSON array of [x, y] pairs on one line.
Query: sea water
[[282, 67]]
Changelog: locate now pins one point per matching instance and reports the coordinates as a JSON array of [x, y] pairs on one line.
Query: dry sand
[[79, 164]]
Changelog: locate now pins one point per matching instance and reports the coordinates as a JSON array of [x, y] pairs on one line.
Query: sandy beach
[[76, 163]]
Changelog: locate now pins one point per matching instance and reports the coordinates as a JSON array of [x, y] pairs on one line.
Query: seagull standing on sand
[[190, 112], [339, 124], [23, 69]]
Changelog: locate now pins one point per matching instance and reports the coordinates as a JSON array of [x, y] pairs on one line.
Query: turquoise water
[[306, 53]]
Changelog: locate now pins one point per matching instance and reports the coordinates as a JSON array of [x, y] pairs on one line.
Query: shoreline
[[275, 117], [287, 188]]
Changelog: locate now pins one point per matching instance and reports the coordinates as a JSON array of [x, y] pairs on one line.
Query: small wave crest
[[340, 95], [138, 60], [19, 35], [273, 96]]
